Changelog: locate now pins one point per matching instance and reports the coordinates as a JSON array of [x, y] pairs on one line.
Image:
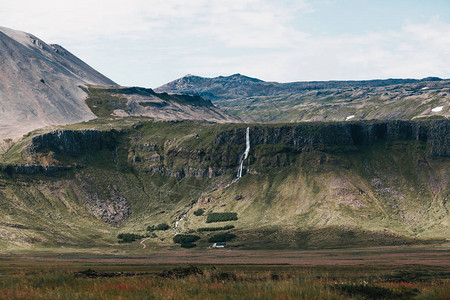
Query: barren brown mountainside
[[40, 84]]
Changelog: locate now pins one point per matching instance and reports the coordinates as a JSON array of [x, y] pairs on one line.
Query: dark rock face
[[74, 143], [32, 169], [436, 134], [223, 157]]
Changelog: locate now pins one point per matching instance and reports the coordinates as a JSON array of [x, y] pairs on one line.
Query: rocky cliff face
[[435, 134], [73, 142], [222, 156], [289, 140]]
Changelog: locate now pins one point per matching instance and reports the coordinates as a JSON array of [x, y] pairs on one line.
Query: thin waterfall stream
[[245, 155]]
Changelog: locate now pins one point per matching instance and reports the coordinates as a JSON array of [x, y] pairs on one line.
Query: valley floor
[[403, 272]]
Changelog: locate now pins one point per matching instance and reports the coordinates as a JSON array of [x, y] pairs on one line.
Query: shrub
[[199, 212], [185, 238], [223, 237], [188, 245], [162, 226], [221, 217], [128, 237], [215, 228]]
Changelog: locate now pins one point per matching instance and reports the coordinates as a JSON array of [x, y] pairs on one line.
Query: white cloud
[[157, 40]]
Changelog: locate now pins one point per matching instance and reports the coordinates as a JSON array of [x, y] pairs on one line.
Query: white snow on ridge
[[425, 88], [349, 117], [437, 109]]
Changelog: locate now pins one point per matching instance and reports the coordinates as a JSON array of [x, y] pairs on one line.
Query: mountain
[[40, 84], [254, 100], [124, 102], [45, 85], [304, 186], [124, 161]]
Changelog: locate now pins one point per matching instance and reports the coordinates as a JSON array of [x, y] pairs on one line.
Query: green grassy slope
[[161, 172]]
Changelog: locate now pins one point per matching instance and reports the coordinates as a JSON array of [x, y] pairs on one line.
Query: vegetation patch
[[185, 238], [128, 237], [221, 217], [223, 237], [102, 103], [228, 227], [162, 226], [199, 212]]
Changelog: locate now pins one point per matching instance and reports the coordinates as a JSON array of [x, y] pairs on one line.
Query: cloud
[[141, 42]]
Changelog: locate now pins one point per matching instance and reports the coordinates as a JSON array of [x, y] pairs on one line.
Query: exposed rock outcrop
[[435, 134], [74, 142]]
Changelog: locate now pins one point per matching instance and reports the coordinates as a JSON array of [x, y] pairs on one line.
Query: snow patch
[[437, 109], [349, 117], [425, 88]]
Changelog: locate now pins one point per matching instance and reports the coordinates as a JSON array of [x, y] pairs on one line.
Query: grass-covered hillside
[[308, 185]]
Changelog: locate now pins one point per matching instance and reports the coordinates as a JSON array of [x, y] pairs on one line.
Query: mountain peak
[[48, 92]]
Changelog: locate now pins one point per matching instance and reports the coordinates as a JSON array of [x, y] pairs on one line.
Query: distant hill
[[136, 101], [258, 101]]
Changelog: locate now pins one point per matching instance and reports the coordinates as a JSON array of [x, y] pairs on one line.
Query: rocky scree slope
[[305, 185]]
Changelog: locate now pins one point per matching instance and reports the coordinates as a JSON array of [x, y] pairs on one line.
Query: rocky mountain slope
[[40, 84], [308, 185], [254, 100], [135, 101]]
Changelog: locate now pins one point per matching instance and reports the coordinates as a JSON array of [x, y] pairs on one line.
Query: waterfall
[[245, 155]]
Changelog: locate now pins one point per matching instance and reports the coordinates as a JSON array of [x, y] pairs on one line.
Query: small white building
[[218, 245]]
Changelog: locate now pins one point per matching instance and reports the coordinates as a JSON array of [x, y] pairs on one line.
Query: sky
[[151, 42]]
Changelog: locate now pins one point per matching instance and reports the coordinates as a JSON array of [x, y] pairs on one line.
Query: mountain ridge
[[259, 101], [195, 84]]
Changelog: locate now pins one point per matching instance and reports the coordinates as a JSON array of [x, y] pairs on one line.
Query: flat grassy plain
[[401, 272]]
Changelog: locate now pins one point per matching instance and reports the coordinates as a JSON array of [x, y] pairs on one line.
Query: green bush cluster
[[223, 237], [199, 212], [129, 237], [185, 238], [228, 227], [162, 226], [221, 217]]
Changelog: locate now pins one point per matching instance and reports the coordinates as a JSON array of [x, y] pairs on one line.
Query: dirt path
[[142, 243]]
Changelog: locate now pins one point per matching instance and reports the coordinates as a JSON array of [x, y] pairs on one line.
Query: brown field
[[409, 272]]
